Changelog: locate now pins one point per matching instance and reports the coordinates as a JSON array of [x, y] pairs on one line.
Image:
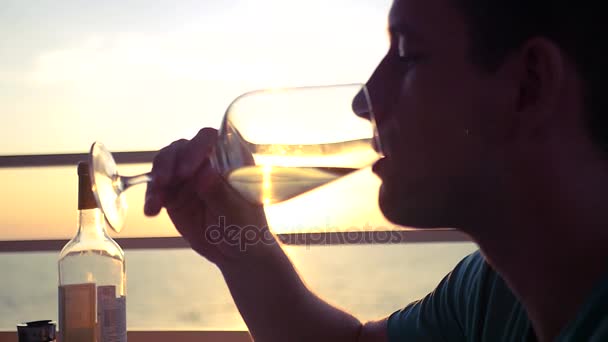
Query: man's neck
[[550, 244], [552, 282]]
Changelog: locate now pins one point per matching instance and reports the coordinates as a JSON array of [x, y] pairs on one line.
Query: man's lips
[[379, 166], [385, 150], [381, 142]]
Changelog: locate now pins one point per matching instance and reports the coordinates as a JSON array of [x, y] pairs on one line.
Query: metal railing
[[138, 157], [43, 160], [163, 336], [298, 239]]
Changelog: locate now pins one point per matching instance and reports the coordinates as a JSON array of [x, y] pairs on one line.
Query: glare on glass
[[273, 145]]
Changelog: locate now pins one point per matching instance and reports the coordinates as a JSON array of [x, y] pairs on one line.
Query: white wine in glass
[[273, 145]]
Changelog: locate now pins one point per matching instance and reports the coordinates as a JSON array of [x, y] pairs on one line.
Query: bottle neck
[[91, 224]]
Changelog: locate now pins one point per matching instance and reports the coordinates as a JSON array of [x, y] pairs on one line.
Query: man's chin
[[408, 211]]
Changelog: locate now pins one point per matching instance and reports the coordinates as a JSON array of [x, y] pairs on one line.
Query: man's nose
[[361, 105], [373, 98]]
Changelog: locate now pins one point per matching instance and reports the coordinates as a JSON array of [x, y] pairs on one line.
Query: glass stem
[[125, 182]]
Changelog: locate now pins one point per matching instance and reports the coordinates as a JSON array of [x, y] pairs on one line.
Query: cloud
[[271, 52]]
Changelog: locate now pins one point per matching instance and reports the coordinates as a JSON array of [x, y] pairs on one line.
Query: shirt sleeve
[[446, 314]]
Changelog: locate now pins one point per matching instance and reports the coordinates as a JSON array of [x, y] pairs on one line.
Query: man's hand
[[217, 222], [232, 233]]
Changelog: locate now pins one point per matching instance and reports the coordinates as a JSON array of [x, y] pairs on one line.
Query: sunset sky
[[139, 74]]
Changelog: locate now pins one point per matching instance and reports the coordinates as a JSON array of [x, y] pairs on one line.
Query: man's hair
[[497, 27]]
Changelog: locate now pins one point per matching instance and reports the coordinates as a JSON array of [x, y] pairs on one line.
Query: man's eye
[[401, 46], [403, 53]]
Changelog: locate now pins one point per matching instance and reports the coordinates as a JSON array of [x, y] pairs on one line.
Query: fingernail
[[147, 211], [149, 206]]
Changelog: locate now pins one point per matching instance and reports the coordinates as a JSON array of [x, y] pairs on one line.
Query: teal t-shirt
[[473, 303]]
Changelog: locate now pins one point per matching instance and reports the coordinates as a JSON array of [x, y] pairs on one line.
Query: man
[[491, 117]]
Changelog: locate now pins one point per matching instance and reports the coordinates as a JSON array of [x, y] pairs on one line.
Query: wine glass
[[273, 145]]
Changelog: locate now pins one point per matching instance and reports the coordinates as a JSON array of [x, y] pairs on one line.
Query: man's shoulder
[[473, 268], [472, 302]]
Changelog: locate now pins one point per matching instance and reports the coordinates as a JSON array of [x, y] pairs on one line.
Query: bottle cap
[[37, 331], [83, 168], [86, 198]]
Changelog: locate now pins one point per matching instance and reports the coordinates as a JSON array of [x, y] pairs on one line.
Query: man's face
[[436, 112]]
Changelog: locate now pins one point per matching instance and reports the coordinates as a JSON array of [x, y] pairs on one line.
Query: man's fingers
[[163, 173], [207, 180], [196, 152], [177, 163], [154, 200], [164, 165], [210, 185]]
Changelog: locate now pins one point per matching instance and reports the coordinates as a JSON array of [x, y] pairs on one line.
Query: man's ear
[[540, 82]]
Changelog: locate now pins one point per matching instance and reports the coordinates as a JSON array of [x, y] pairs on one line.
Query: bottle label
[[77, 312], [111, 315], [88, 313]]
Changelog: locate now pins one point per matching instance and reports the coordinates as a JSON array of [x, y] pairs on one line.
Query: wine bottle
[[92, 276]]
